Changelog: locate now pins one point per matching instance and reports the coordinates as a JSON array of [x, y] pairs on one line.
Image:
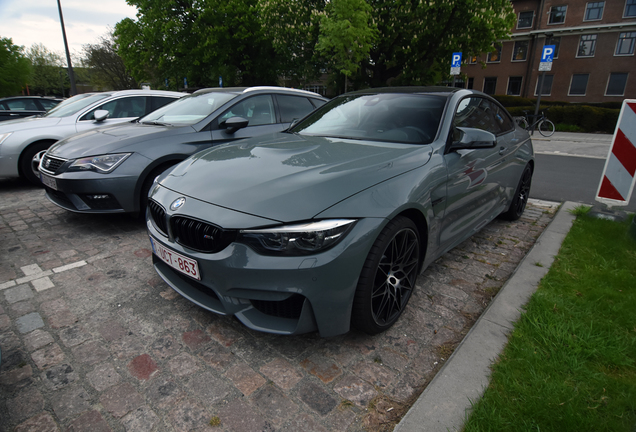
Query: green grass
[[570, 364]]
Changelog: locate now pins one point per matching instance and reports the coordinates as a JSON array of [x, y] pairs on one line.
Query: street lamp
[[71, 76]]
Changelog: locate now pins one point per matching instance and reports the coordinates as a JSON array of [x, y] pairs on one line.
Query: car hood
[[289, 177], [104, 140], [28, 123]]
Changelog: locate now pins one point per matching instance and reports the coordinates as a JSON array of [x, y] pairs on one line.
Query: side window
[[48, 104], [293, 107], [476, 112], [502, 118], [121, 108], [22, 105], [157, 102], [318, 102], [259, 110]]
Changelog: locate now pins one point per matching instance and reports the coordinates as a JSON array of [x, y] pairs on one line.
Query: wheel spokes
[[395, 277]]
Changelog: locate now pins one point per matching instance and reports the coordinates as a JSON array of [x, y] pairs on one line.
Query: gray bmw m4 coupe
[[328, 224]]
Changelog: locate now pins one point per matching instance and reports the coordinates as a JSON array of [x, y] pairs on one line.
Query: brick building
[[594, 59]]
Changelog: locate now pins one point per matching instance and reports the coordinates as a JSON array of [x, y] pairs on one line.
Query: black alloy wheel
[[388, 277], [521, 196]]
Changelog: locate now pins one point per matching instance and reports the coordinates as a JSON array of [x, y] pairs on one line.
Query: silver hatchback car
[[329, 224], [24, 141]]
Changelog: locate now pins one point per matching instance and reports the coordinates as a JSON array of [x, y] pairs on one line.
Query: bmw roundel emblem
[[177, 204]]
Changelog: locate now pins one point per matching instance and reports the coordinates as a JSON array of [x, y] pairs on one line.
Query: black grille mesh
[[200, 236], [289, 308], [53, 164], [158, 216]]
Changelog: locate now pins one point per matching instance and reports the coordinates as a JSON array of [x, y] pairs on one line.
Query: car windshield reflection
[[403, 118], [188, 110], [75, 104]]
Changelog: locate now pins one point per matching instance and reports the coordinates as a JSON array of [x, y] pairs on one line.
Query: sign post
[[619, 175], [545, 65]]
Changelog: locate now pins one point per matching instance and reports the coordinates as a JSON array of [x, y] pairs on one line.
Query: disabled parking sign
[[546, 58], [456, 63]]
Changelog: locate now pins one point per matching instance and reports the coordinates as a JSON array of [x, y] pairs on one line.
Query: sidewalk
[[573, 144], [446, 402]]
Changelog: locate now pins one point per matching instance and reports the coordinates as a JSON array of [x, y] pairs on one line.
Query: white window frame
[[609, 77], [531, 22], [536, 87], [520, 85], [586, 84], [618, 40], [579, 46], [512, 57], [500, 51], [564, 15], [625, 9], [595, 19]]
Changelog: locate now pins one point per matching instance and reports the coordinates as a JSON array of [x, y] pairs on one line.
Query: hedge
[[589, 118]]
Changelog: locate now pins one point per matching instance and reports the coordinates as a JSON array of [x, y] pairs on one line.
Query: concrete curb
[[446, 402]]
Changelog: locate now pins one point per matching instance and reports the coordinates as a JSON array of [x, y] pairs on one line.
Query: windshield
[[75, 104], [188, 110], [406, 118]]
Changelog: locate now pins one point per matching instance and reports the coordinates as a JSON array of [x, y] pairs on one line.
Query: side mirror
[[101, 115], [234, 123], [470, 138]]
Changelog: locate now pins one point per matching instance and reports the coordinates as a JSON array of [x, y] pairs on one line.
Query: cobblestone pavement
[[93, 340]]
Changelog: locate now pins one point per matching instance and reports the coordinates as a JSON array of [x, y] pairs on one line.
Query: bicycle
[[545, 126]]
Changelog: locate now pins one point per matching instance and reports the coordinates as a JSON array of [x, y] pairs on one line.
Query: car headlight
[[4, 136], [101, 164], [298, 239]]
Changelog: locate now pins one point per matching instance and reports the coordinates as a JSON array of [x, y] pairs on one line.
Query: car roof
[[31, 97], [410, 90], [242, 90]]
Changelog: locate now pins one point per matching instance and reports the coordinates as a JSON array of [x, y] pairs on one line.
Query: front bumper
[[283, 295]]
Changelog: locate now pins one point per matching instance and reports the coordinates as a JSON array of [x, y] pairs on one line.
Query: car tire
[[145, 188], [520, 198], [387, 278], [27, 169]]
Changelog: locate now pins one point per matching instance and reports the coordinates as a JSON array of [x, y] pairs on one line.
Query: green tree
[[107, 69], [293, 28], [198, 40], [48, 73], [417, 38], [14, 68], [346, 35]]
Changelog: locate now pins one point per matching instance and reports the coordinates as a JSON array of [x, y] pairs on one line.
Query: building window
[[494, 56], [587, 46], [625, 45], [525, 19], [556, 41], [630, 9], [471, 83], [578, 85], [557, 14], [514, 86], [547, 85], [520, 51], [594, 11], [616, 84], [471, 59], [490, 85]]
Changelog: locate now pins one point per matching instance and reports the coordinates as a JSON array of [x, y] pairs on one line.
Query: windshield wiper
[[156, 123]]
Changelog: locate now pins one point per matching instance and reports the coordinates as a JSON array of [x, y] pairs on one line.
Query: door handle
[[502, 150]]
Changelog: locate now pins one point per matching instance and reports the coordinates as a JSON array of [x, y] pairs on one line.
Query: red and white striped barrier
[[619, 175]]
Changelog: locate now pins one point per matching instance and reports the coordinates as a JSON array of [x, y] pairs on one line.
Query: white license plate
[[48, 181], [175, 260]]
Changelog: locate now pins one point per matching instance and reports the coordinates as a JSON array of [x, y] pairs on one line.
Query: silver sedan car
[[328, 224], [24, 141]]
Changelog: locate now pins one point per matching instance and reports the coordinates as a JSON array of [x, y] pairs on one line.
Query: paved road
[[569, 167], [93, 340]]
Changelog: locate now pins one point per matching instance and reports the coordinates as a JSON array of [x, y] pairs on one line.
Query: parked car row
[[292, 213]]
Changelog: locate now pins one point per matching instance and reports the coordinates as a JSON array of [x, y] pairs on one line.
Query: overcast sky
[[38, 21]]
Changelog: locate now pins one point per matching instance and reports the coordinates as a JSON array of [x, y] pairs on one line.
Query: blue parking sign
[[548, 53], [457, 60]]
